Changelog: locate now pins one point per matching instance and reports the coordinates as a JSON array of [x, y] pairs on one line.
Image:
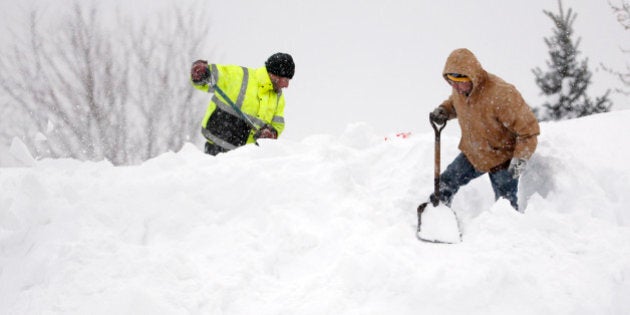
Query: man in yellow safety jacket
[[247, 104]]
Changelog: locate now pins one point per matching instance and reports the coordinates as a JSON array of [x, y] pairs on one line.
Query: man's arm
[[516, 115]]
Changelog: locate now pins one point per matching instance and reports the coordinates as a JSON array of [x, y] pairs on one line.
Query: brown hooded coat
[[496, 123]]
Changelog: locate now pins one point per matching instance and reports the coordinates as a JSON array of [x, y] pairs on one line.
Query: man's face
[[461, 87], [279, 82]]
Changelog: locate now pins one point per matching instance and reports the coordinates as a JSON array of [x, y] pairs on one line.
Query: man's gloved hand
[[434, 200], [439, 115], [199, 72], [266, 132], [517, 166]]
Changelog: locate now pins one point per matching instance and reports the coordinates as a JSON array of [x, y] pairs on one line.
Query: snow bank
[[321, 226]]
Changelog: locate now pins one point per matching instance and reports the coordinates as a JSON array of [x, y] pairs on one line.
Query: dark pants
[[460, 172], [214, 149]]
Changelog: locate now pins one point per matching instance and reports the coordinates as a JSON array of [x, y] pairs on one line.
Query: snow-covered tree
[[91, 84], [622, 12], [566, 81]]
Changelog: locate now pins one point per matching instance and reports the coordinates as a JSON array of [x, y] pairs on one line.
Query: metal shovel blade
[[437, 224]]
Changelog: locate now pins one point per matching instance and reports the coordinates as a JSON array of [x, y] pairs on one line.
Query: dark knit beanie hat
[[281, 64]]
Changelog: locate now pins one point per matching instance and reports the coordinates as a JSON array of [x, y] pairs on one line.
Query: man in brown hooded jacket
[[498, 129]]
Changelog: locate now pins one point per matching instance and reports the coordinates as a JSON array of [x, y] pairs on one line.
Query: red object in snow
[[403, 135]]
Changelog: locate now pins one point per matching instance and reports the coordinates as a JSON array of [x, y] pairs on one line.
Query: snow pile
[[321, 226], [438, 224]]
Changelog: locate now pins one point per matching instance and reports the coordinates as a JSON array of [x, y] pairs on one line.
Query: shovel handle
[[436, 174]]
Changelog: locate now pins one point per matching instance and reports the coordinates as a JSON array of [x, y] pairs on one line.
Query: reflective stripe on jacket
[[252, 92]]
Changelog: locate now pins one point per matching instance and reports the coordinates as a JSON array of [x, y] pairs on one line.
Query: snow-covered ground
[[324, 225]]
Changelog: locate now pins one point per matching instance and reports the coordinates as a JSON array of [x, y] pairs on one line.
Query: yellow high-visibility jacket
[[250, 90]]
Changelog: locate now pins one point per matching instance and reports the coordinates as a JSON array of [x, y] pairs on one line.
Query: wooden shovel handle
[[436, 174]]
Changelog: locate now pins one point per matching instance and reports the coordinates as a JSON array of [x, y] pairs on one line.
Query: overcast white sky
[[353, 53]]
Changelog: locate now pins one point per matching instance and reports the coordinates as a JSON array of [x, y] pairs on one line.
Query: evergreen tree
[[567, 79]]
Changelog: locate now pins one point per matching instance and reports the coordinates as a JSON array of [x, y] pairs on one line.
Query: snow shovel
[[437, 223]]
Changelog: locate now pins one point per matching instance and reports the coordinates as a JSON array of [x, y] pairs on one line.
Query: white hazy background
[[381, 62]]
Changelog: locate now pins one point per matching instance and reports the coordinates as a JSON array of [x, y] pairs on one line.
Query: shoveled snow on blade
[[439, 224]]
